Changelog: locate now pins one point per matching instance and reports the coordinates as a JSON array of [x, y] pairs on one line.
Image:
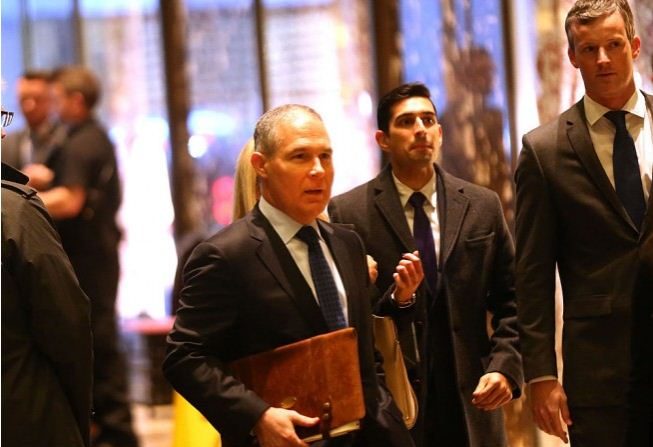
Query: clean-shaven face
[[414, 135], [298, 175], [604, 56], [35, 100]]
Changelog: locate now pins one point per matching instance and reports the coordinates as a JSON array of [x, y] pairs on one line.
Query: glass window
[[319, 53], [123, 47], [225, 95], [456, 48]]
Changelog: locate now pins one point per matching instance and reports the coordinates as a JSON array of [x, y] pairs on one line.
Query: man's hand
[[276, 428], [372, 268], [493, 391], [549, 406], [408, 276], [40, 176]]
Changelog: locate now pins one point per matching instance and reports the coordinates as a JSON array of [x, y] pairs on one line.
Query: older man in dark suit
[[251, 288], [460, 374], [583, 182]]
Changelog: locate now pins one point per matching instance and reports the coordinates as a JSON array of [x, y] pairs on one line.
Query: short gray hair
[[265, 132]]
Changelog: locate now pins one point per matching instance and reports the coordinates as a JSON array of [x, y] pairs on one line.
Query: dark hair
[[265, 140], [404, 91], [37, 75], [587, 11], [78, 79]]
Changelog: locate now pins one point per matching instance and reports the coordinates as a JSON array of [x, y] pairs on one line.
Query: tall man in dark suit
[[583, 183], [460, 374], [250, 288]]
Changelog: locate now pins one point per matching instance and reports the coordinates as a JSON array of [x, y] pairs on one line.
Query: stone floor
[[153, 424]]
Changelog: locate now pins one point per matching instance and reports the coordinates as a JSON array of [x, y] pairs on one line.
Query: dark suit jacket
[[244, 294], [476, 275], [47, 357], [569, 214]]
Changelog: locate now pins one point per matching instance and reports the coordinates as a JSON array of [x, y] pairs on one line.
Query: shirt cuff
[[542, 379]]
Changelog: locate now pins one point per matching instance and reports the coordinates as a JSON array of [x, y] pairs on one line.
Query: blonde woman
[[191, 428]]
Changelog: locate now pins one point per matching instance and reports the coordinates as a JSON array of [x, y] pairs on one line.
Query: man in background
[[47, 355], [83, 198], [461, 375], [584, 206], [34, 143]]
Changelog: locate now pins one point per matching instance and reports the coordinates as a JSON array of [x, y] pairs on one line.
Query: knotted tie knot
[[618, 118], [308, 235], [417, 200]]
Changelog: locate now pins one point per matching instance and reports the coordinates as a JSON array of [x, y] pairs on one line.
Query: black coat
[[476, 275], [46, 335]]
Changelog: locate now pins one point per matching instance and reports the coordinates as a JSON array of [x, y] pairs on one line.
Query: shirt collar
[[283, 224], [405, 191], [635, 105]]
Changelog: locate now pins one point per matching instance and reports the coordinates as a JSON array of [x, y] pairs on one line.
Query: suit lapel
[[277, 259], [647, 225], [389, 206], [579, 139], [452, 208]]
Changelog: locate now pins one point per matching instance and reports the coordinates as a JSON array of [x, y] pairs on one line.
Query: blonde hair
[[246, 189]]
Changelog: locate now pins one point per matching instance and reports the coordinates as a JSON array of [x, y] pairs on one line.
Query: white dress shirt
[[287, 229]]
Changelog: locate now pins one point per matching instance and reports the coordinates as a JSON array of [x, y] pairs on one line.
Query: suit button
[[419, 323]]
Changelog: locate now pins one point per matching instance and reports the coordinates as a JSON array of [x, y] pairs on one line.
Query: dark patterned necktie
[[325, 285], [423, 235], [627, 180]]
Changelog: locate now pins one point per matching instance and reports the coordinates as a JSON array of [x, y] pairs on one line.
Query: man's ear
[[381, 139], [635, 45], [79, 100], [258, 162], [571, 54]]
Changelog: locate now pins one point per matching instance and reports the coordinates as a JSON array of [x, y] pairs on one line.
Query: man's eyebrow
[[421, 112]]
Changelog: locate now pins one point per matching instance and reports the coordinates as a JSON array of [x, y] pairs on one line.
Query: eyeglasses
[[7, 118]]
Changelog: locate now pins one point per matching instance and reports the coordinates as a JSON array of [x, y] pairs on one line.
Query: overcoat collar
[[452, 207]]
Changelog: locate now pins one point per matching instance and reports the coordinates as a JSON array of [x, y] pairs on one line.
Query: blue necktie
[[423, 235], [627, 180], [325, 285]]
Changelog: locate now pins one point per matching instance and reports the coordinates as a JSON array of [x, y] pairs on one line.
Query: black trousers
[[444, 421]]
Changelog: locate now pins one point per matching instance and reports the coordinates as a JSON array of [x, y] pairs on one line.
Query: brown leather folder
[[319, 376]]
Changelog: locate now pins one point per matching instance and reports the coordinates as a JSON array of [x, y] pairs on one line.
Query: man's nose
[[28, 104], [602, 56], [317, 167]]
